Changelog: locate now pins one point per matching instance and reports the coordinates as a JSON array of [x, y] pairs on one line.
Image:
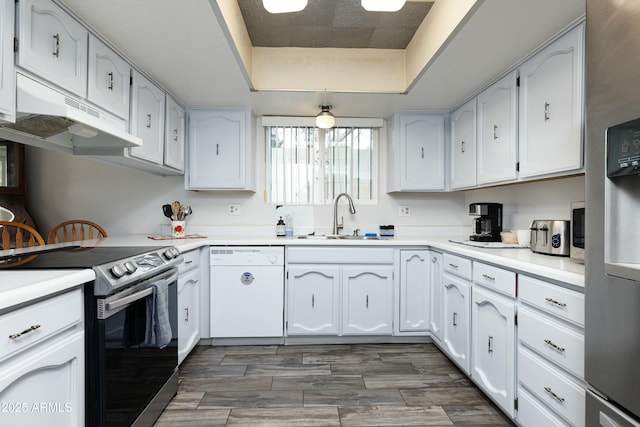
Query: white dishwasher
[[247, 291]]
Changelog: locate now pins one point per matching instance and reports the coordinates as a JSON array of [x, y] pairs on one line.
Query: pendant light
[[383, 5], [284, 6], [324, 119]]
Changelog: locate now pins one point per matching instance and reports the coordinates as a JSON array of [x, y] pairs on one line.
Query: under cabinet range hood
[[51, 119]]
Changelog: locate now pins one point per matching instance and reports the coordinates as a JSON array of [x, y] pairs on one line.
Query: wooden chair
[[19, 235], [76, 229]]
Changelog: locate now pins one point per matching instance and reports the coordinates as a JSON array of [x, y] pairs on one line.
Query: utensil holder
[[177, 228]]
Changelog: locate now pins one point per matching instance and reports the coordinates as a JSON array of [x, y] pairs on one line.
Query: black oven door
[[124, 375]]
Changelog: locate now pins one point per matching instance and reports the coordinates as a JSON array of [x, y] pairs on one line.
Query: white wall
[[125, 201], [525, 202]]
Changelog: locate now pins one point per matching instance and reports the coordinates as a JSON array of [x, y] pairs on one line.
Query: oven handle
[[170, 276]]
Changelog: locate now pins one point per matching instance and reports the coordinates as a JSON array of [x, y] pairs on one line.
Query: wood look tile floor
[[326, 385]]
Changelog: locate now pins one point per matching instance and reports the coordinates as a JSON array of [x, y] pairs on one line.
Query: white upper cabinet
[[174, 135], [416, 153], [463, 146], [53, 45], [109, 79], [147, 119], [219, 150], [498, 131], [551, 107], [7, 78]]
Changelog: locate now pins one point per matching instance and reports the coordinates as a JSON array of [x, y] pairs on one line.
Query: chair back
[[76, 229], [18, 235]]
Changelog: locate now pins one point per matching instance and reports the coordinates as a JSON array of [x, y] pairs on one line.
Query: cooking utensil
[[175, 209], [167, 211]]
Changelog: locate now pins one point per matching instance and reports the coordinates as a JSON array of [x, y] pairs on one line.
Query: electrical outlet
[[405, 211], [234, 210]]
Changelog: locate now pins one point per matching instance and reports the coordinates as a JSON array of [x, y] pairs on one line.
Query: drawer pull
[[554, 346], [188, 262], [554, 302], [453, 265], [487, 277], [25, 332], [552, 394]]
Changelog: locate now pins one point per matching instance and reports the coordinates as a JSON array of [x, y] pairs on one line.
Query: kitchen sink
[[338, 237]]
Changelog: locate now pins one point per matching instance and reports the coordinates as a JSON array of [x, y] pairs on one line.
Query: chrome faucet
[[352, 209]]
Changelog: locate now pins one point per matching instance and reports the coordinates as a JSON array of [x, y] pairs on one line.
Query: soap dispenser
[[280, 228]]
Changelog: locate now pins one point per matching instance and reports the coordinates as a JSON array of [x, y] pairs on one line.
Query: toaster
[[550, 237]]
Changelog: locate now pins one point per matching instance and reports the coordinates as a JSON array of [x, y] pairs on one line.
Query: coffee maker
[[488, 224]]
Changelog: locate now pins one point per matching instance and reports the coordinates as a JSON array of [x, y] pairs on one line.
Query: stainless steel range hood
[[50, 119]]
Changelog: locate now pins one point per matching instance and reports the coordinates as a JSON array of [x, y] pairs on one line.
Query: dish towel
[[158, 330]]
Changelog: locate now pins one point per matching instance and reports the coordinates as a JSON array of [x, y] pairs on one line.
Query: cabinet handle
[[554, 346], [487, 277], [367, 301], [490, 344], [56, 45], [552, 394], [462, 146], [175, 135], [149, 120], [25, 332], [453, 265], [546, 111], [217, 149], [495, 131], [110, 87], [434, 260], [422, 152], [455, 319], [188, 262], [186, 314], [313, 300], [194, 281], [554, 302]]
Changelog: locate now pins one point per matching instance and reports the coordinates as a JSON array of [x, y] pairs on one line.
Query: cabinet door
[[551, 107], [147, 119], [174, 135], [367, 306], [493, 346], [463, 146], [455, 330], [414, 291], [52, 45], [45, 385], [313, 300], [188, 312], [436, 290], [422, 152], [217, 149], [497, 131], [7, 78], [109, 79]]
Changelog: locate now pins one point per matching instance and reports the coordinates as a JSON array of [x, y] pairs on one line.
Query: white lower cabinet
[[493, 346], [42, 368], [188, 305], [456, 325], [414, 295], [367, 300], [313, 300]]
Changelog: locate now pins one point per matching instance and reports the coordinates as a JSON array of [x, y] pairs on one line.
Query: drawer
[[495, 278], [554, 341], [532, 413], [554, 388], [561, 302], [457, 265], [37, 322], [191, 260]]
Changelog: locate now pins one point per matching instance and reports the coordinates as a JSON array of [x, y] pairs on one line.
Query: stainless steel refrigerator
[[612, 260]]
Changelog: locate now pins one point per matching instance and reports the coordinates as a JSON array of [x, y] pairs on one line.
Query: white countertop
[[19, 286]]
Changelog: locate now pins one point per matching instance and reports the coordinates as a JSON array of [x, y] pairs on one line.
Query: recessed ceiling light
[[383, 5], [284, 6]]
